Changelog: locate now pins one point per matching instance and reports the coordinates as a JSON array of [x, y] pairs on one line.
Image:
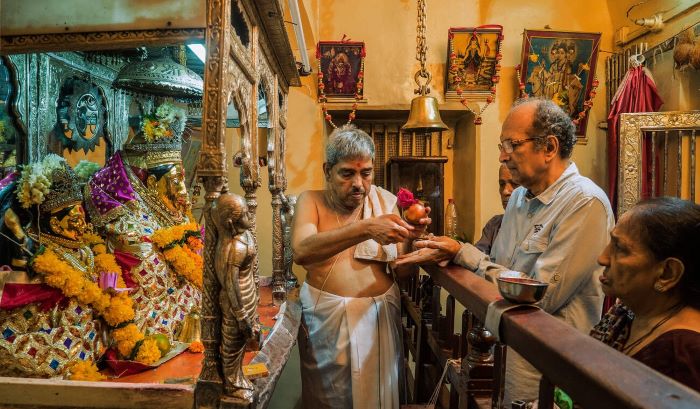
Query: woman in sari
[[653, 268]]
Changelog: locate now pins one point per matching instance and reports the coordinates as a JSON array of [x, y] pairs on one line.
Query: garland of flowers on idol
[[322, 93], [182, 247], [59, 271], [587, 103], [160, 125], [115, 307], [494, 79]]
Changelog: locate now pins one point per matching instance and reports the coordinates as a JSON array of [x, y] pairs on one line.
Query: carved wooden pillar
[[250, 166], [212, 170], [279, 290]]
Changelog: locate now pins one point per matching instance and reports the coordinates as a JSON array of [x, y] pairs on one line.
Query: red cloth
[[638, 95], [121, 367], [16, 295]]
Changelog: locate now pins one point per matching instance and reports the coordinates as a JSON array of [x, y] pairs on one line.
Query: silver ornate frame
[[632, 128]]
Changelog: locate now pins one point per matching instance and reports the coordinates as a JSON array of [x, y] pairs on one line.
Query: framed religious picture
[[561, 66], [341, 66], [473, 61]]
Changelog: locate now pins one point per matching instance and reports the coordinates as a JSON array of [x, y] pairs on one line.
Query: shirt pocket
[[533, 245]]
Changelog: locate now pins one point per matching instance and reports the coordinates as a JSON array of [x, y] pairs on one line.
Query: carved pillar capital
[[214, 186]]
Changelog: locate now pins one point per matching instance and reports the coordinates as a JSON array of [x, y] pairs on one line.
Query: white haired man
[[344, 236], [555, 226]]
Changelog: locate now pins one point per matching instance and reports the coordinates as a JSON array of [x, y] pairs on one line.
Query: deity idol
[[139, 203], [50, 310]]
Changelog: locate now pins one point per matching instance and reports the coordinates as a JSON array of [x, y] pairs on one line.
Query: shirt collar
[[547, 196]]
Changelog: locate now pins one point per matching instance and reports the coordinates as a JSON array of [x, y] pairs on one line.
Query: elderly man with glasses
[[554, 227]]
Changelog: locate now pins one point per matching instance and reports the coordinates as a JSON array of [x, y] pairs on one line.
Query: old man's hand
[[388, 229], [436, 250]]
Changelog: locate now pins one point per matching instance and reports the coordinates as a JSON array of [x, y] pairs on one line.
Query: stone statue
[[238, 298], [288, 204]]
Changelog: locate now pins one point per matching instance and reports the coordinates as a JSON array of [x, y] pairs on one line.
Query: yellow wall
[[677, 88], [388, 30]]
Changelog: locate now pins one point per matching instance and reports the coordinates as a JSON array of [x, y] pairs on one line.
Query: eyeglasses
[[509, 145]]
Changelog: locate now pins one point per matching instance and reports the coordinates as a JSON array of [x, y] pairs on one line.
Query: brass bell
[[424, 116]]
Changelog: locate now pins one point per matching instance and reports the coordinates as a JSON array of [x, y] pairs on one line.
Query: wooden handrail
[[592, 373]]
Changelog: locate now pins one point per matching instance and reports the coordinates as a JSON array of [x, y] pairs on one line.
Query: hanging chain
[[421, 51]]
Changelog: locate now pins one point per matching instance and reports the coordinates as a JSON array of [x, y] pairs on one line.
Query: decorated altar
[[130, 272]]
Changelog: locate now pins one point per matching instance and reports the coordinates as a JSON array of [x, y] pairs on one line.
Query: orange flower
[[195, 243], [196, 346]]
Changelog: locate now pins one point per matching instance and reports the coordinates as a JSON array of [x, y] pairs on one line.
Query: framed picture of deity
[[561, 66], [473, 61], [341, 66]]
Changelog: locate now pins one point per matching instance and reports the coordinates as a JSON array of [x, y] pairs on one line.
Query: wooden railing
[[593, 374]]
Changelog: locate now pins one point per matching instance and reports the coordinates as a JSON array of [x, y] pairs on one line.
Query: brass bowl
[[521, 290]]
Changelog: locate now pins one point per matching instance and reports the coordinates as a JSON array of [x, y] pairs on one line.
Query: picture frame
[[342, 65], [560, 65], [472, 61]]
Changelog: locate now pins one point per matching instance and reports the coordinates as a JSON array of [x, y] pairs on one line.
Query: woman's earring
[[659, 287]]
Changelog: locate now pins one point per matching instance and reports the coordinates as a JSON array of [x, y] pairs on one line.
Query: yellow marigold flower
[[85, 371], [120, 310], [90, 295], [107, 263], [148, 352], [102, 303], [534, 57], [92, 239], [183, 259], [126, 339]]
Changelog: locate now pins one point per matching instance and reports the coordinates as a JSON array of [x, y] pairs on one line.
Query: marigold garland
[[85, 371], [120, 309], [115, 308], [181, 246]]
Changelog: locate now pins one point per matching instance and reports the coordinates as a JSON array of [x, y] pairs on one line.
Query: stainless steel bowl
[[521, 290]]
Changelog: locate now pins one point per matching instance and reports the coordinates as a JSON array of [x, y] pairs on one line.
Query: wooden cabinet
[[424, 176]]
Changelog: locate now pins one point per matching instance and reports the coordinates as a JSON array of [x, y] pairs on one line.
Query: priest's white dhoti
[[350, 350]]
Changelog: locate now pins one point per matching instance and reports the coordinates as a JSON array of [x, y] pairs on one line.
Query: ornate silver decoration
[[81, 115], [160, 76], [101, 40]]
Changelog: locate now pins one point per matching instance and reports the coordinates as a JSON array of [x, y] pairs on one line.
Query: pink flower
[[405, 198]]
